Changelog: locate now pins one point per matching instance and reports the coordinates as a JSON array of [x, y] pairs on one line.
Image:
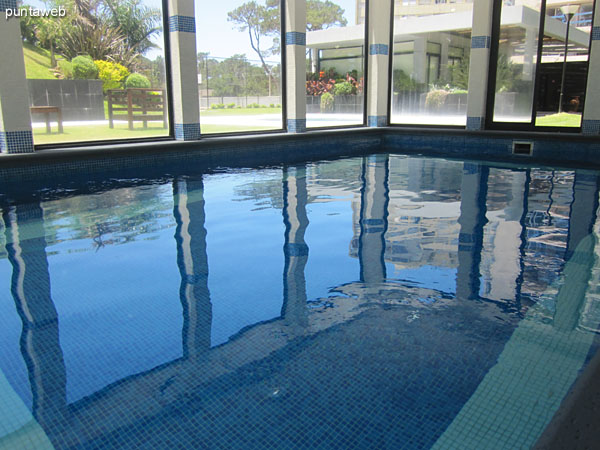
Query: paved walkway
[[274, 120]]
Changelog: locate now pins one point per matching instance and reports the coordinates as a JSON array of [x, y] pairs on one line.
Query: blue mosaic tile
[[16, 141], [187, 131], [595, 33], [295, 38], [474, 123], [184, 24], [378, 49], [377, 121], [296, 125], [8, 4], [590, 126], [480, 42]]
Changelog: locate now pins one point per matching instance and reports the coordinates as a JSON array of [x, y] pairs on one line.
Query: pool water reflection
[[376, 302]]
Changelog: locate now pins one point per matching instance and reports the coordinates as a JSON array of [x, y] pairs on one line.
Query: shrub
[[326, 102], [403, 82], [343, 88], [137, 80], [111, 74], [84, 68], [66, 69], [230, 105], [253, 105], [435, 99], [217, 106], [272, 105]]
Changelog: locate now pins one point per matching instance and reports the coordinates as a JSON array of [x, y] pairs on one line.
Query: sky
[[218, 36], [214, 34]]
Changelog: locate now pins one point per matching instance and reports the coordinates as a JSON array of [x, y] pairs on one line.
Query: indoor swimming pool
[[379, 301]]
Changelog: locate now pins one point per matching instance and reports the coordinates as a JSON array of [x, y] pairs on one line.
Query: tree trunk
[[52, 56]]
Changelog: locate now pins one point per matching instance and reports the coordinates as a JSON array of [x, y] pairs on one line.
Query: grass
[[121, 131], [559, 120], [37, 63]]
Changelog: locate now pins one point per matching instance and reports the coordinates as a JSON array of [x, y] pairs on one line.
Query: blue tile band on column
[[16, 141], [377, 121], [8, 4], [595, 33], [590, 126], [184, 24], [187, 131], [480, 41], [474, 123], [378, 49], [295, 38], [296, 125], [295, 249]]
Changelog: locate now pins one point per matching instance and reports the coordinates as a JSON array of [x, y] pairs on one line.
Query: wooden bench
[[47, 110], [138, 104]]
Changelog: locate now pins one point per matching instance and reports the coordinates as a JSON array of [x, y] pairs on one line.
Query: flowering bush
[[111, 74]]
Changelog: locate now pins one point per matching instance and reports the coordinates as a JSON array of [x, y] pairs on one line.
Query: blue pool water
[[382, 301]]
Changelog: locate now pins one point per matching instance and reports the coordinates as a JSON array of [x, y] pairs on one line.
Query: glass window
[[239, 66], [335, 61], [563, 74], [96, 74], [516, 63], [430, 69]]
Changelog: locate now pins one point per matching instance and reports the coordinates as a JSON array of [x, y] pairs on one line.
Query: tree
[[137, 22], [265, 21], [322, 15], [259, 21]]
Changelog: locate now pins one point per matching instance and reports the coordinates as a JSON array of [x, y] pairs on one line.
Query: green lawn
[[37, 63], [559, 120], [121, 131]]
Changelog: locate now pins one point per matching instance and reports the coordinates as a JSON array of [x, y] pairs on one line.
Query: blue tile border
[[480, 41], [295, 249], [378, 49], [377, 121], [16, 141], [187, 131], [590, 126], [7, 4], [474, 123], [296, 125], [295, 38], [183, 24], [595, 33]]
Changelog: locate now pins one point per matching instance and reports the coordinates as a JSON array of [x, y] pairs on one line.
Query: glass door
[[538, 78]]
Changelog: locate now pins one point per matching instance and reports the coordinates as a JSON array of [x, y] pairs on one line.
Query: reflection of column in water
[[472, 220], [579, 256], [373, 218], [30, 287], [295, 197], [506, 250], [192, 260]]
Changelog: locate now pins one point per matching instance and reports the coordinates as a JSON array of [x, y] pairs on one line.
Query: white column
[[591, 111], [15, 119], [378, 62], [479, 63], [295, 47], [420, 60], [184, 70]]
